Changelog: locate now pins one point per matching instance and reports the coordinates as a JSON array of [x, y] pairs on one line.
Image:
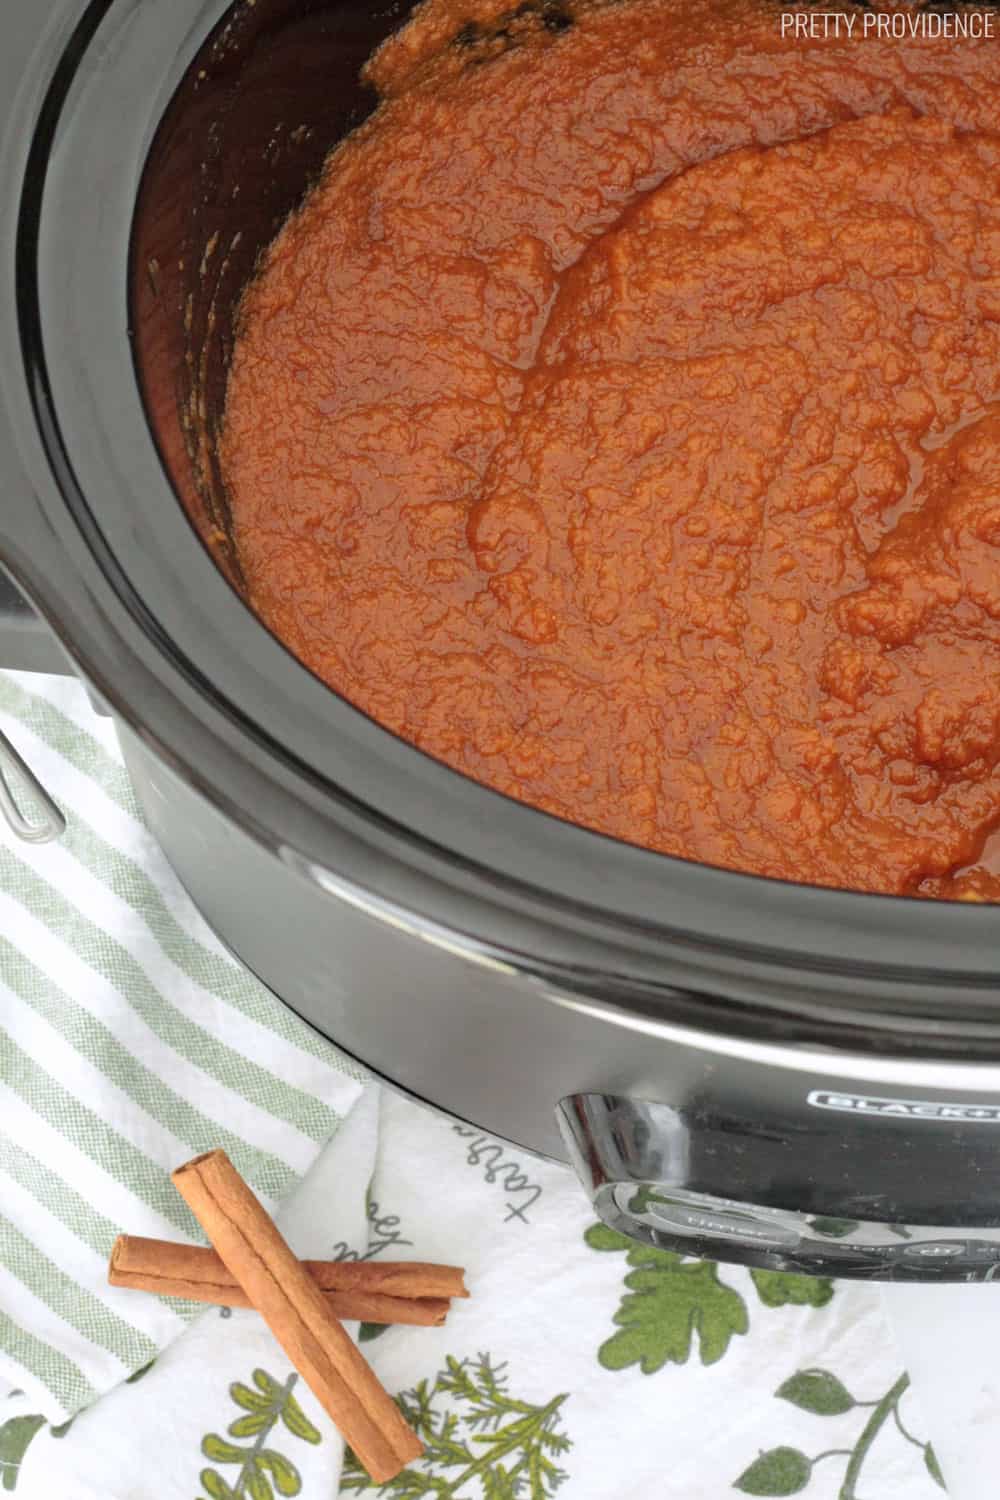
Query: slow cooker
[[760, 1072]]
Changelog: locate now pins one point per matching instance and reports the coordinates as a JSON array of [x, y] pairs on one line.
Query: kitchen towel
[[583, 1367], [129, 1041]]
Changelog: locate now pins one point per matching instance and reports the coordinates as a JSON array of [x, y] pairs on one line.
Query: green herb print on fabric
[[787, 1471], [478, 1440], [671, 1302], [15, 1436], [260, 1471], [17, 1433], [784, 1289]]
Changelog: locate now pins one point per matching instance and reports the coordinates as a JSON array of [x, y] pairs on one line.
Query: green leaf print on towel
[[263, 1473], [785, 1289], [671, 1300], [817, 1391], [478, 1440], [933, 1467], [779, 1471], [15, 1436], [787, 1471]]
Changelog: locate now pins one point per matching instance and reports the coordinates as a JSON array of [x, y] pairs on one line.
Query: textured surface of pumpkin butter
[[619, 421]]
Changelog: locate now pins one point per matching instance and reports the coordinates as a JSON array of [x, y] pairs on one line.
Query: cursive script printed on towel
[[489, 1154], [383, 1233]]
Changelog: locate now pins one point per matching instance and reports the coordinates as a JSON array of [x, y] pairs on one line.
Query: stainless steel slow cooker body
[[761, 1072]]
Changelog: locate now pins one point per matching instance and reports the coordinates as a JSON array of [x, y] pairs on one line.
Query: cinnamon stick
[[298, 1315], [387, 1292]]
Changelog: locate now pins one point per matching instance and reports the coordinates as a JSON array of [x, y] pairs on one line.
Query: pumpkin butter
[[619, 422]]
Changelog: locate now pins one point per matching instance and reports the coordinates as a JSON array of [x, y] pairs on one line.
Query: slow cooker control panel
[[645, 1167], [841, 1247]]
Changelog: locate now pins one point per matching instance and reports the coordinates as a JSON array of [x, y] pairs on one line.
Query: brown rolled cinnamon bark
[[410, 1292], [298, 1315]]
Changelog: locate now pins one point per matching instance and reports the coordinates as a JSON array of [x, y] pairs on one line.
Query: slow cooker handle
[[638, 1162], [634, 1158], [26, 642], [49, 823]]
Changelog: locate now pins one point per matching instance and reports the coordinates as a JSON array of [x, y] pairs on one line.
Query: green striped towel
[[129, 1041]]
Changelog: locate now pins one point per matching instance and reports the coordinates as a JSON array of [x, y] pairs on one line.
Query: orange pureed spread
[[619, 421]]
